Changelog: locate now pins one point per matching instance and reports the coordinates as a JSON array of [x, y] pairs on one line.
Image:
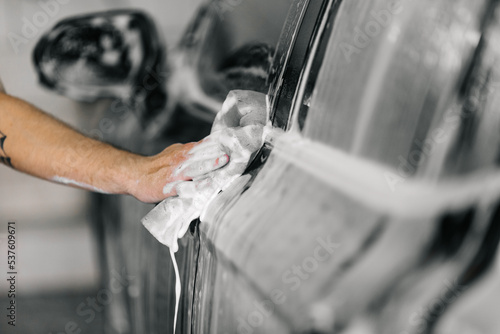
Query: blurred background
[[57, 261]]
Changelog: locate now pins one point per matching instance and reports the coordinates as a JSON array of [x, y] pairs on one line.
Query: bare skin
[[35, 143]]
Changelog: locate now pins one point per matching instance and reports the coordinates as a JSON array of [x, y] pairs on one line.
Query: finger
[[204, 151], [199, 168], [212, 140], [214, 154], [202, 167]]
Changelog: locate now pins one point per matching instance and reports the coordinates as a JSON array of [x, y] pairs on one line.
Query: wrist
[[132, 169]]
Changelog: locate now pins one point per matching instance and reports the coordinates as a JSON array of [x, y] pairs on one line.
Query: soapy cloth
[[239, 130], [170, 220]]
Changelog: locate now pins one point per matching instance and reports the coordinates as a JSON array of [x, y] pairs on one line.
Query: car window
[[239, 41], [380, 89]]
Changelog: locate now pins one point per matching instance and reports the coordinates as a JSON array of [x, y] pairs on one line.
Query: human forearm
[[37, 144], [40, 145]]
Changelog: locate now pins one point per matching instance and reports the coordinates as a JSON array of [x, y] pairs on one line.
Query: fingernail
[[221, 161]]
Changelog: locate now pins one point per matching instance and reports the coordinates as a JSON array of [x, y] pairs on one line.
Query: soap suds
[[169, 187], [64, 180], [177, 287], [202, 159]]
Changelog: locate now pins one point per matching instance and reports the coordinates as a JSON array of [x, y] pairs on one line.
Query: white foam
[[64, 180]]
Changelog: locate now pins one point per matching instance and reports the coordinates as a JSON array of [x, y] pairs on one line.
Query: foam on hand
[[170, 219], [238, 132]]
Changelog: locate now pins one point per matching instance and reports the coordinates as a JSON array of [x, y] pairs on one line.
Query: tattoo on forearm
[[4, 159]]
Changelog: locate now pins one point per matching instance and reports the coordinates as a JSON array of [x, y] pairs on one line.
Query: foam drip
[[178, 287]]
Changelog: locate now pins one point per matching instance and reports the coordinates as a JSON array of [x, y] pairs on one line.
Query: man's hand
[[179, 162]]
